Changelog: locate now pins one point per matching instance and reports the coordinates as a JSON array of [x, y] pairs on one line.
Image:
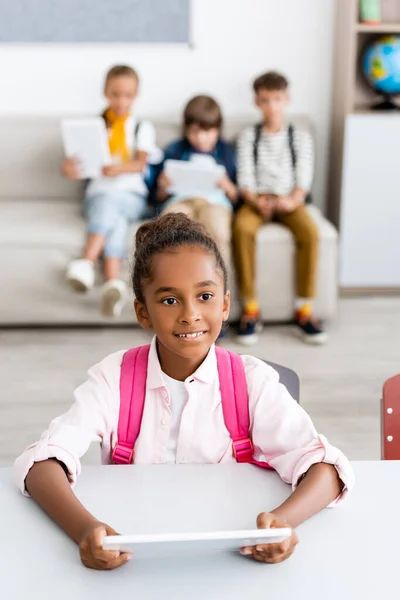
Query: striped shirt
[[274, 173]]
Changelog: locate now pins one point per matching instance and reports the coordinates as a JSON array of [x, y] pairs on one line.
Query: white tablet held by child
[[163, 545], [87, 141], [187, 176]]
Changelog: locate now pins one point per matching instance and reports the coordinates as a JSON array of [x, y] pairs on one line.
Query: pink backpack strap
[[132, 390], [235, 405]]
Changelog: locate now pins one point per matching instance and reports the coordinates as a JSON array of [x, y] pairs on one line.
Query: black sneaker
[[249, 329], [311, 331]]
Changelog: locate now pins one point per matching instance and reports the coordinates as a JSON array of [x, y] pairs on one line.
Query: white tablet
[[163, 545], [87, 140], [190, 176]]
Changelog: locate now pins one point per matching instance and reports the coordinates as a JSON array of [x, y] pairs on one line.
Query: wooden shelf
[[350, 92], [362, 109], [378, 28]]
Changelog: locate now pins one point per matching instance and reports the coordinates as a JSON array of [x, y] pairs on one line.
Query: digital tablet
[[163, 545], [187, 176], [87, 140]]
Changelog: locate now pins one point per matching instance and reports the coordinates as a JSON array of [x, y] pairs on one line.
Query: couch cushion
[[38, 239], [46, 223], [41, 223]]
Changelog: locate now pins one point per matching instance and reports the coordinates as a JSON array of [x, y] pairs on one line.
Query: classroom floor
[[340, 383]]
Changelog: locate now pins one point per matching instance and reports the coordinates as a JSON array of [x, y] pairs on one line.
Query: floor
[[340, 383]]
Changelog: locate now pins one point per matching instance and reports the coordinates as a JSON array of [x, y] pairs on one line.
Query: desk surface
[[337, 558]]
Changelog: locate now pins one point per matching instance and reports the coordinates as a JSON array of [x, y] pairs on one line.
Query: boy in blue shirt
[[202, 124]]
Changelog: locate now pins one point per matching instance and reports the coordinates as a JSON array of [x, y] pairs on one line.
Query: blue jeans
[[110, 214]]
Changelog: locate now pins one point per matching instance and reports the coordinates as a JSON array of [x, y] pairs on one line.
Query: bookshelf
[[378, 28], [351, 94], [363, 180]]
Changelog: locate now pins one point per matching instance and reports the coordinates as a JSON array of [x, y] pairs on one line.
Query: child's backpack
[[257, 134], [234, 396]]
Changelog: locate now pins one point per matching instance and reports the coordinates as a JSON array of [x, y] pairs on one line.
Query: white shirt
[[178, 396], [282, 432], [145, 141], [274, 172]]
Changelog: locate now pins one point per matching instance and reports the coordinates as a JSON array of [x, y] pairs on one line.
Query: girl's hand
[[92, 554], [271, 553], [71, 169]]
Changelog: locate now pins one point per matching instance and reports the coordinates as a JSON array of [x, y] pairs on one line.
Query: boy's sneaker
[[311, 330], [80, 275], [113, 298], [249, 329]]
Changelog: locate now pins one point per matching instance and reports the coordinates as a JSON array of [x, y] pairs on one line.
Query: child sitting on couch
[[202, 141], [275, 173], [119, 196]]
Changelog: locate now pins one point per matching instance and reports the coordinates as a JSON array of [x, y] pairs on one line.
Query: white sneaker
[[80, 275], [113, 298]]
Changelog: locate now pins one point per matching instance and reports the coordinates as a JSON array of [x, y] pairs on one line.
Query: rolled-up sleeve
[[92, 417], [283, 433]]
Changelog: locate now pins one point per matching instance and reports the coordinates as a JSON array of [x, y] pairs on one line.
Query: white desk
[[337, 559]]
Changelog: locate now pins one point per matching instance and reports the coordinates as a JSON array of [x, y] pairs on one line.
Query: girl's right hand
[[70, 168], [91, 549]]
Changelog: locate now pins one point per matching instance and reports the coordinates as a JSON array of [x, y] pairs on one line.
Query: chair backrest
[[289, 378], [390, 419]]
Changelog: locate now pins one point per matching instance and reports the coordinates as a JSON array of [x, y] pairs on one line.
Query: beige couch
[[41, 230]]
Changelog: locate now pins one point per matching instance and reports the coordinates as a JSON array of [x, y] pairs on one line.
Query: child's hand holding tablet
[[272, 542], [272, 552], [92, 553]]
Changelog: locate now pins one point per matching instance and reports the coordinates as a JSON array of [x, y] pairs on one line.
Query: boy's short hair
[[271, 81], [120, 71], [203, 111]]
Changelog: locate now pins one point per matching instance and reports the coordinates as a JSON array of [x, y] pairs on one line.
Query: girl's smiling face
[[185, 305]]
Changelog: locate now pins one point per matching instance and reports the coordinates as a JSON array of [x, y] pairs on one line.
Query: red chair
[[390, 419]]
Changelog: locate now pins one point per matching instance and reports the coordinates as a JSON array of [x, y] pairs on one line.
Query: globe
[[381, 65]]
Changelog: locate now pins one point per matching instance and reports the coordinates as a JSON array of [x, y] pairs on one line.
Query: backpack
[[257, 135], [235, 404]]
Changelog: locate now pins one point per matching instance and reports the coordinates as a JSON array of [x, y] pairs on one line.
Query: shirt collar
[[207, 371]]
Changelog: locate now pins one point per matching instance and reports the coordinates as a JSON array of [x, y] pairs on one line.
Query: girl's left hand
[[271, 553]]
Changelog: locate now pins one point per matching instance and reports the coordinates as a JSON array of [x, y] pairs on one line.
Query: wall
[[234, 40]]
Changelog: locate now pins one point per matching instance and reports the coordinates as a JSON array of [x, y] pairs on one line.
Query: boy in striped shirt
[[275, 173]]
